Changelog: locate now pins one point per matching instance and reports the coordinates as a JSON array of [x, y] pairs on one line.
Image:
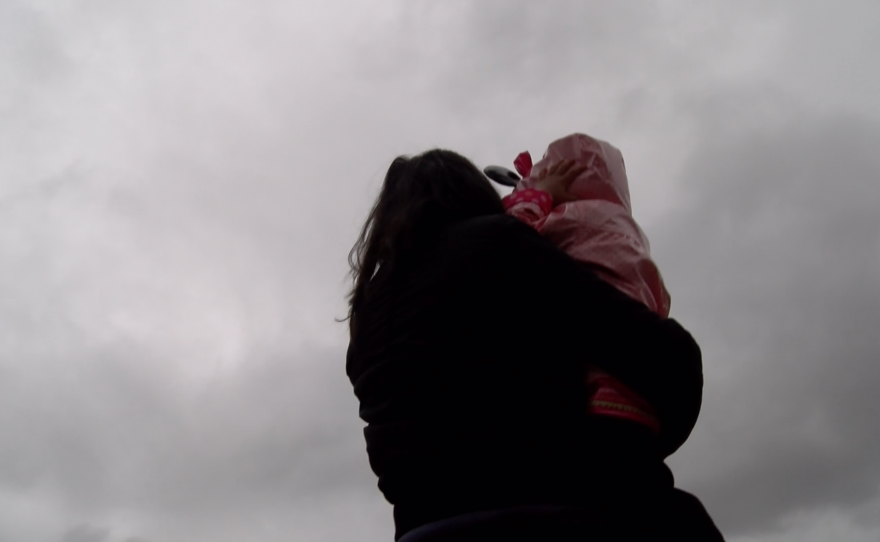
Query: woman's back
[[469, 408]]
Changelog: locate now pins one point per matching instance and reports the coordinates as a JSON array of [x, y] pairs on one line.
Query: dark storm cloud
[[774, 262], [86, 533], [32, 53], [116, 429], [182, 181], [479, 56], [510, 61], [500, 46], [134, 404], [117, 432]]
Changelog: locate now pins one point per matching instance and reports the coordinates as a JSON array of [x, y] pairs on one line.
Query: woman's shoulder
[[485, 244], [490, 233], [505, 240], [488, 225]]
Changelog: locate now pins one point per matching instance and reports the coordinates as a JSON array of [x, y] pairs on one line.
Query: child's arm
[[532, 205]]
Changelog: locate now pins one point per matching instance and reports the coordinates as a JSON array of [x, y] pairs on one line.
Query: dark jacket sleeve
[[592, 322]]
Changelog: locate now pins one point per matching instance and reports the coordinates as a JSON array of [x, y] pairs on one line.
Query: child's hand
[[557, 179]]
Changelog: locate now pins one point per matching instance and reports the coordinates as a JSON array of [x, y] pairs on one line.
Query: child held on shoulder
[[577, 196]]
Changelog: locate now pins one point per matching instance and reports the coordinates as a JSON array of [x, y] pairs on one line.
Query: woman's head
[[420, 194]]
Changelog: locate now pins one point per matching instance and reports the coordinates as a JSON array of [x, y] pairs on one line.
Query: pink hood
[[605, 178]]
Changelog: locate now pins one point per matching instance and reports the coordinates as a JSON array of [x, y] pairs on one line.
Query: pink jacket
[[598, 228]]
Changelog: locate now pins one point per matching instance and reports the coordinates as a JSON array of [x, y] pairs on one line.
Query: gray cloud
[[775, 262], [119, 433], [181, 183], [86, 533]]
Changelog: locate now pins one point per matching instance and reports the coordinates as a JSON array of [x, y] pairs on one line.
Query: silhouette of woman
[[471, 339]]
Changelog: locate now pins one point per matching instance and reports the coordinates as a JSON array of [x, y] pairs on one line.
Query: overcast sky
[[181, 181]]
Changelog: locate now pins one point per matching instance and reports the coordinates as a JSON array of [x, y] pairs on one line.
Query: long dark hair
[[420, 194]]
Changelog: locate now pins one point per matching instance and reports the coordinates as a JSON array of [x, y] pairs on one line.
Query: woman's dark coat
[[470, 375]]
